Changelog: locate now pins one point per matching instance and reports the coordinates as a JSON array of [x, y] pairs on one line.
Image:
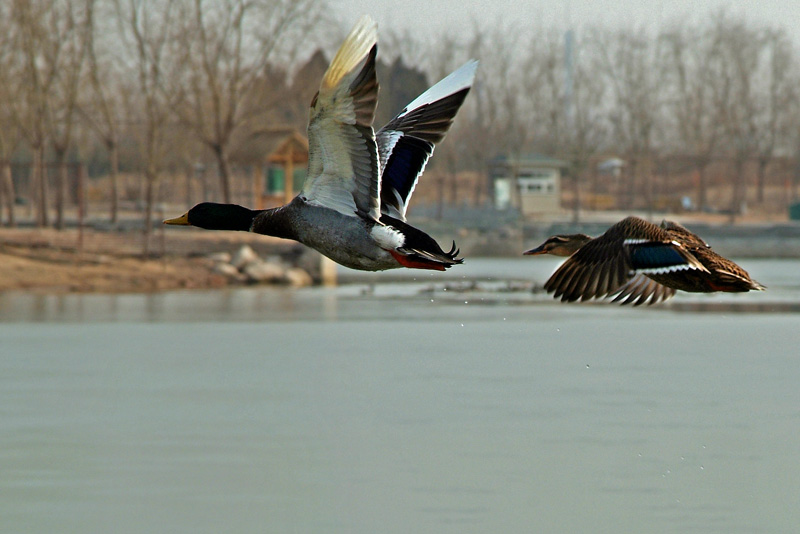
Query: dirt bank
[[52, 261]]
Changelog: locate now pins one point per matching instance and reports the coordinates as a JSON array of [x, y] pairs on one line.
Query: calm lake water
[[426, 404]]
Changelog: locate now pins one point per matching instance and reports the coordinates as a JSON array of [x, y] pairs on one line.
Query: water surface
[[416, 406]]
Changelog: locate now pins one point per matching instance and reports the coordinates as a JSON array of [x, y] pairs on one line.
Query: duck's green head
[[213, 216]]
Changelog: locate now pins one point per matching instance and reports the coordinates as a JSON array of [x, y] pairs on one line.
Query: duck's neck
[[276, 222]]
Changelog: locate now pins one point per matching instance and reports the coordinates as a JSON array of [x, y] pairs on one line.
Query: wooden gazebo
[[287, 149]]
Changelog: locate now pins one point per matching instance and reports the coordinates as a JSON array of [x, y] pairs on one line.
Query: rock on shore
[[245, 266]]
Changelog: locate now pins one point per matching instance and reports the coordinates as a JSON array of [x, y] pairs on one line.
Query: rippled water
[[415, 406]]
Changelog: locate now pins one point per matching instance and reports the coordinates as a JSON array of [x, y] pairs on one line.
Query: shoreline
[[50, 261], [56, 262]]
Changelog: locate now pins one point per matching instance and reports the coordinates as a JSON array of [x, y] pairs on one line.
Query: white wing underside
[[460, 78], [405, 123], [335, 154], [342, 169]]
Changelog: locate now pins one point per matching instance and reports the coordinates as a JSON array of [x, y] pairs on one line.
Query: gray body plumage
[[344, 239]]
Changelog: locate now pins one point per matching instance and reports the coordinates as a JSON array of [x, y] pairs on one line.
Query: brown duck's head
[[560, 245]]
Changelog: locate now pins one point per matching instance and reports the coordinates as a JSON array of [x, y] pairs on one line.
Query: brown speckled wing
[[605, 266], [599, 268], [642, 290], [724, 274]]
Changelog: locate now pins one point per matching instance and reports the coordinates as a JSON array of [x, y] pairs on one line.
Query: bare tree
[[38, 57], [586, 128], [9, 133], [506, 123], [629, 62], [736, 62], [67, 30], [570, 105], [8, 144], [102, 105], [776, 84], [151, 27], [227, 46], [689, 54]]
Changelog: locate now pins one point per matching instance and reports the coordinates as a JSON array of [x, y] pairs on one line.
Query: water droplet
[[462, 325], [558, 330], [466, 302], [702, 468], [431, 300], [587, 365]]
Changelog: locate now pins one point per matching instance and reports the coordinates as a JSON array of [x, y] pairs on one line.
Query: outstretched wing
[[343, 155], [408, 140], [642, 290]]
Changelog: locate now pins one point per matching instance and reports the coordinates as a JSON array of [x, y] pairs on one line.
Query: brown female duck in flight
[[353, 204], [638, 262]]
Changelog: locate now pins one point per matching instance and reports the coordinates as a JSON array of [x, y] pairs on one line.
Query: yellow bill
[[183, 220]]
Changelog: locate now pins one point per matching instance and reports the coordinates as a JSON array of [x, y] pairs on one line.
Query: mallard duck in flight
[[353, 204], [638, 262]]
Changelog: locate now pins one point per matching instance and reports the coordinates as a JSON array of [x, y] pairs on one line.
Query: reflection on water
[[423, 406], [479, 283], [736, 307]]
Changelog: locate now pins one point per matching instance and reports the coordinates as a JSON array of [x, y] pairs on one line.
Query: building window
[[537, 186]]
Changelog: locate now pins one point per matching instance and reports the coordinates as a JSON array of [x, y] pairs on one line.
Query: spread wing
[[642, 290], [408, 140], [343, 155]]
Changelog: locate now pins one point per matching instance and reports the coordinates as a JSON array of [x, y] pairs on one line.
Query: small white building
[[538, 180]]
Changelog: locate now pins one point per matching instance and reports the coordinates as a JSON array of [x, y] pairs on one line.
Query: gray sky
[[433, 15]]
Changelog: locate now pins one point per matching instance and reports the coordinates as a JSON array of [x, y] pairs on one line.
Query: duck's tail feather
[[436, 260]]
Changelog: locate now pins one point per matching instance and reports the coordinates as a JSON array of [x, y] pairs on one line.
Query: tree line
[[163, 84], [719, 90]]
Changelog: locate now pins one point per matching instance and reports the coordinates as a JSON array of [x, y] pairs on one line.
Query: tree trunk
[[7, 187], [188, 171], [761, 179], [480, 180], [39, 182], [576, 214], [224, 169], [61, 187], [515, 193], [149, 195], [738, 187], [81, 194], [453, 187], [648, 186], [629, 187], [702, 186], [113, 155]]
